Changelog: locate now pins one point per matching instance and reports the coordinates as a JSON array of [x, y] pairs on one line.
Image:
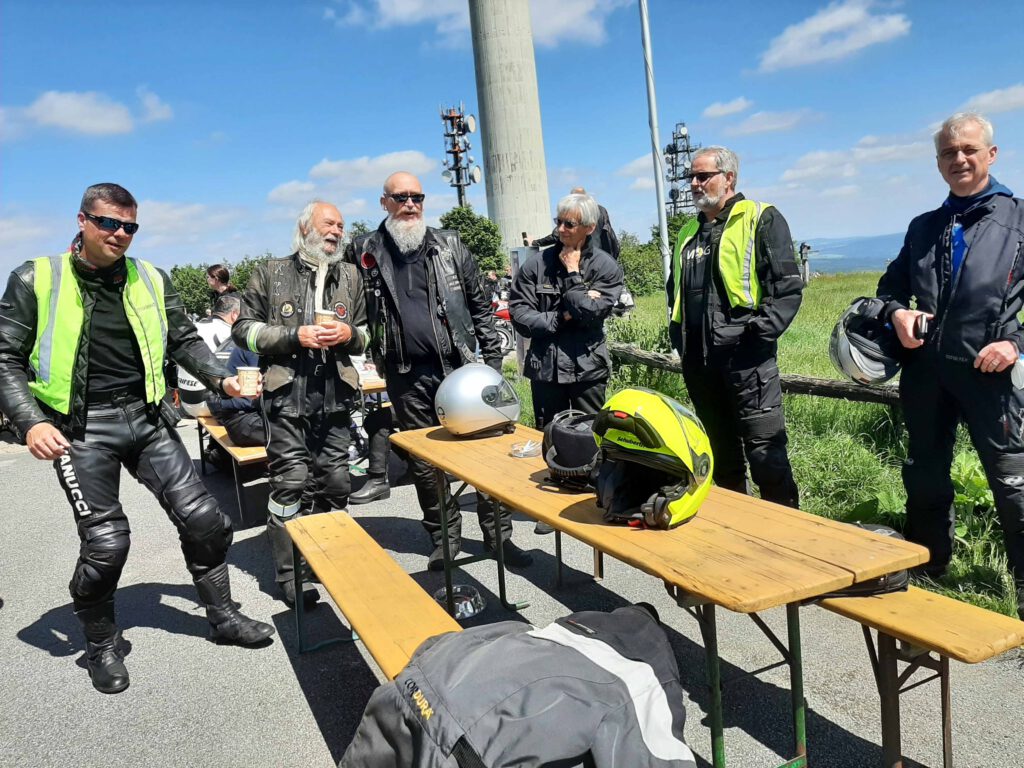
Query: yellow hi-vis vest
[[735, 257], [60, 316]]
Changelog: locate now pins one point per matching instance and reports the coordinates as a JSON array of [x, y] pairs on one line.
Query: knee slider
[[102, 557]]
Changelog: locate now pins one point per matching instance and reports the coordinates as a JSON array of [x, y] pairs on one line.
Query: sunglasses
[[402, 198], [702, 177], [112, 225], [569, 225]]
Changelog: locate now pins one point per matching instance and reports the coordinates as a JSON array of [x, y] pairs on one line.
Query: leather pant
[[131, 434]]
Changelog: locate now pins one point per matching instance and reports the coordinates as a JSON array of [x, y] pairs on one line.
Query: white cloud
[[18, 232], [642, 182], [833, 165], [846, 190], [568, 20], [371, 171], [154, 109], [767, 122], [166, 223], [293, 193], [726, 108], [833, 33], [1000, 100], [90, 113], [636, 167]]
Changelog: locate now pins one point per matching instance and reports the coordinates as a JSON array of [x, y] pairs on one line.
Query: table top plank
[[738, 552]]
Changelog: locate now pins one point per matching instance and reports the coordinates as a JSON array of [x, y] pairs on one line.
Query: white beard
[[314, 252], [706, 202], [407, 234]]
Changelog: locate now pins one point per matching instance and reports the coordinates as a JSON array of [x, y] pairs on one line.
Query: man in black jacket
[[310, 381], [733, 290], [427, 315], [83, 338], [962, 266]]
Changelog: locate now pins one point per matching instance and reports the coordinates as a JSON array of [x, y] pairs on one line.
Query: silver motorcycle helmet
[[863, 347], [475, 400]]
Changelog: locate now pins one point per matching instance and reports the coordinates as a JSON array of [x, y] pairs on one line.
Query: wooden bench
[[926, 623], [240, 457], [385, 608]]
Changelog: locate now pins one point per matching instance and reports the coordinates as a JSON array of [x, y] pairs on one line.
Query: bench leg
[[239, 491], [947, 713], [558, 558], [598, 565], [796, 681], [889, 693], [709, 631], [300, 611]]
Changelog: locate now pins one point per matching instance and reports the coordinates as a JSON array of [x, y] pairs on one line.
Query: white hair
[[303, 224], [953, 127], [583, 205]]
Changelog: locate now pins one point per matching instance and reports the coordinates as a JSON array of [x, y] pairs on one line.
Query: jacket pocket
[[277, 376], [725, 333]]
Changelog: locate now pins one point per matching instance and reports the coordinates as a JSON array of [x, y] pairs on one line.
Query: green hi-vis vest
[[735, 257], [60, 316]]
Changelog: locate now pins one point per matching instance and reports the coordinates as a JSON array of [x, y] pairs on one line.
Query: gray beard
[[706, 202], [408, 236], [313, 252]]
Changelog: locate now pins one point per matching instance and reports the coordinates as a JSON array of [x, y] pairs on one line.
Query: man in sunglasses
[[733, 290], [427, 316], [304, 315], [83, 340]]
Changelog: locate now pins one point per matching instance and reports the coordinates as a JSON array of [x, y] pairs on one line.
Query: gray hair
[[953, 126], [113, 194], [725, 160], [302, 224], [227, 303], [584, 205]]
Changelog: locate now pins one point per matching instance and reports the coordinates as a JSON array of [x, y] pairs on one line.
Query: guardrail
[[887, 394]]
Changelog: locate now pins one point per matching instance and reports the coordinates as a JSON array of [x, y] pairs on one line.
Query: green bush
[[190, 281], [480, 235], [641, 265]]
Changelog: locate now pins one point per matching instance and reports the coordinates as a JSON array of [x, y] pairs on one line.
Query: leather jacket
[[463, 317], [276, 303], [18, 335]]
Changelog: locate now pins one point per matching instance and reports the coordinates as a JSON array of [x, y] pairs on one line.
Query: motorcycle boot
[[103, 639], [228, 624], [375, 488]]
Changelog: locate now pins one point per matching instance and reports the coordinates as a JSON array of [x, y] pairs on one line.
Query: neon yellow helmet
[[656, 462]]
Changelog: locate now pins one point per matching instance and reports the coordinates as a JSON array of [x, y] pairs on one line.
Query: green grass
[[846, 456]]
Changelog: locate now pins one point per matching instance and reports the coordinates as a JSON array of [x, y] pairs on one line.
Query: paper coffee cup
[[249, 380], [325, 316]]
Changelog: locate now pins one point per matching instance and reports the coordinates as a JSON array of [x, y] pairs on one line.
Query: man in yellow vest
[[733, 289], [83, 341]]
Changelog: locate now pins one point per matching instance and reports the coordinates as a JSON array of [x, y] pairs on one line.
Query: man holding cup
[[305, 316]]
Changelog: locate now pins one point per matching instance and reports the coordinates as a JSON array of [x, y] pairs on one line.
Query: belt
[[114, 397]]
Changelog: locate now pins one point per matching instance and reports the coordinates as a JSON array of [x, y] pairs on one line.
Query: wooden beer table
[[738, 552]]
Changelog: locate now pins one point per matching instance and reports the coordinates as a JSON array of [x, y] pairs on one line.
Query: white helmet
[[863, 348], [475, 399]]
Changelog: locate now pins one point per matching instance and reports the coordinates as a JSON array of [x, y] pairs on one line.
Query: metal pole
[[652, 117]]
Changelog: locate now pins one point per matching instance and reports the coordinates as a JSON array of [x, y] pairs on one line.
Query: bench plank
[[219, 433], [389, 611], [942, 624]]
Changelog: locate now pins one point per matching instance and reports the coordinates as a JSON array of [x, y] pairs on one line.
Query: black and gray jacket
[[18, 336], [277, 301], [978, 306], [463, 317], [565, 351], [596, 689]]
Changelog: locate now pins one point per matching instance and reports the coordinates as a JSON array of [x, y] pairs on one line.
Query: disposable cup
[[249, 380], [325, 316]]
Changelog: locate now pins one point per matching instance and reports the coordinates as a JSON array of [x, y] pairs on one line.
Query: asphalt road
[[193, 703]]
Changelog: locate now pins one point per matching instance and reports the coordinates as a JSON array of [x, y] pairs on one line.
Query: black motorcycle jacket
[[18, 326], [462, 319], [565, 350], [279, 300], [980, 304]]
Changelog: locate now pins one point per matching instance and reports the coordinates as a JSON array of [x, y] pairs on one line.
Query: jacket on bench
[[596, 689]]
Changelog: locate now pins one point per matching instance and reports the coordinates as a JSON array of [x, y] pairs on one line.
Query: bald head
[[401, 181]]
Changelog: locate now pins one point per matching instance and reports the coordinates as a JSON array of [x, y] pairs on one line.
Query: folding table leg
[[709, 631], [889, 693], [239, 490], [796, 680], [947, 714]]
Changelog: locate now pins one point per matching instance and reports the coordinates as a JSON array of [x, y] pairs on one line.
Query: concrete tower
[[515, 174]]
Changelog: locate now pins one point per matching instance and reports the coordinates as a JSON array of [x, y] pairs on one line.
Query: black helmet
[[570, 450], [864, 347]]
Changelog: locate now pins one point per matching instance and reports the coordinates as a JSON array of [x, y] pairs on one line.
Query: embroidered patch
[[340, 310], [287, 309]]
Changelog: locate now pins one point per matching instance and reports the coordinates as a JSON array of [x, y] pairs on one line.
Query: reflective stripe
[[46, 340], [144, 274], [653, 714], [277, 509], [250, 337], [748, 258]]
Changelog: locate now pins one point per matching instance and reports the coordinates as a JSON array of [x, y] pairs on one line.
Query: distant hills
[[854, 254]]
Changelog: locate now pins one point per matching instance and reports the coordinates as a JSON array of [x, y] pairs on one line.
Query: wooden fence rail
[[791, 384]]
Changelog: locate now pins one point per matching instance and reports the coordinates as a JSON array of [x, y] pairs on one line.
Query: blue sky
[[225, 118]]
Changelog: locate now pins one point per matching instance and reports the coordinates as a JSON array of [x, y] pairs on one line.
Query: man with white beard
[[427, 314], [733, 290], [309, 382]]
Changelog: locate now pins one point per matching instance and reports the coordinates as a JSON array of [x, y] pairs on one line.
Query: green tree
[[641, 264], [479, 234], [675, 223], [357, 228], [190, 281]]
